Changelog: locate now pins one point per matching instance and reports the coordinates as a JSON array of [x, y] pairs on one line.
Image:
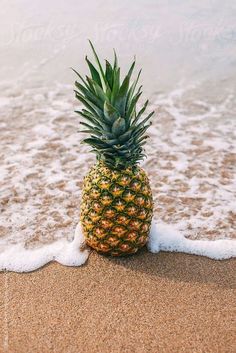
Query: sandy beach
[[145, 303], [163, 302]]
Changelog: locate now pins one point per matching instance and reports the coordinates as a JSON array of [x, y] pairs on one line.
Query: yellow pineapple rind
[[116, 209]]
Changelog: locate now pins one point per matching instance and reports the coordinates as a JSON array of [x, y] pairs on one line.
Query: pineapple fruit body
[[117, 209]]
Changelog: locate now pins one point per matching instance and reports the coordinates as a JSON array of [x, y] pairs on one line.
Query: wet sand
[[145, 303]]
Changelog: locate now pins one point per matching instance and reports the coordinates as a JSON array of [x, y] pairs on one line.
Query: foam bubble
[[164, 237], [19, 259]]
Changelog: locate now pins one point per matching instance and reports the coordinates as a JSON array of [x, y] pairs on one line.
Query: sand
[[144, 303]]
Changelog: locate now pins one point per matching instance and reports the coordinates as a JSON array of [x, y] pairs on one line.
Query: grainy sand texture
[[146, 303]]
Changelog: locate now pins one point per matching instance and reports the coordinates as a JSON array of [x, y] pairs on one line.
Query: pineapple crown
[[117, 131]]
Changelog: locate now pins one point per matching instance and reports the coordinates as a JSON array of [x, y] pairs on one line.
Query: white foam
[[19, 259], [164, 237], [43, 130], [4, 101]]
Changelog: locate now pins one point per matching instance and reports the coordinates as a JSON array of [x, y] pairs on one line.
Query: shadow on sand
[[181, 267]]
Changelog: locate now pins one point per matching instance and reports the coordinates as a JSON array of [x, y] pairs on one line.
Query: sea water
[[187, 52]]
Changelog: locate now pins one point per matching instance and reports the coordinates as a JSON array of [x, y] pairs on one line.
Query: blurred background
[[174, 40]]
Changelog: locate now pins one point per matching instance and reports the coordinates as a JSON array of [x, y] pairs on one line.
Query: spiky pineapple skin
[[116, 209]]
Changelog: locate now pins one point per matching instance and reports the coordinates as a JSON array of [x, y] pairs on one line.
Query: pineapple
[[117, 205]]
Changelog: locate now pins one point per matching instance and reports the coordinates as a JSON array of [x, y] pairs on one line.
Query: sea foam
[[19, 259], [163, 237]]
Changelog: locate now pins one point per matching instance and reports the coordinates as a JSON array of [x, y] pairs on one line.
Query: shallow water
[[173, 40], [187, 51]]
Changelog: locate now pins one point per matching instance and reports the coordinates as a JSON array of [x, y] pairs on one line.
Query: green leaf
[[94, 73], [88, 131], [98, 62], [90, 106], [120, 147], [140, 132], [111, 142], [82, 79], [131, 69], [89, 95], [123, 92], [89, 80], [102, 122], [116, 85], [133, 104], [90, 118], [93, 129], [109, 74], [108, 149], [99, 92], [108, 93], [94, 142], [115, 60], [107, 135], [145, 120], [118, 127], [141, 141], [132, 90], [123, 138], [140, 113], [110, 112]]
